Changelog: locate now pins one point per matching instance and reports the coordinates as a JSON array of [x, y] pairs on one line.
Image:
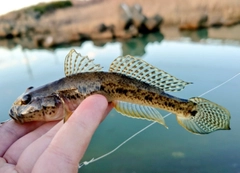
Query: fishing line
[[145, 128]]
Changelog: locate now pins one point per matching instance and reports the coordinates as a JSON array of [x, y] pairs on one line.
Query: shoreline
[[86, 21]]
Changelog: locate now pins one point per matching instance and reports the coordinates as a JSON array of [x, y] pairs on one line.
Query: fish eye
[[26, 99], [31, 87]]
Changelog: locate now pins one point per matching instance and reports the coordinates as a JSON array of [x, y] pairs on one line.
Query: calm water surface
[[206, 63]]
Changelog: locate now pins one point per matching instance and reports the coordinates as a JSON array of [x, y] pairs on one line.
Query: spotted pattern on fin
[[145, 72], [208, 117], [76, 63]]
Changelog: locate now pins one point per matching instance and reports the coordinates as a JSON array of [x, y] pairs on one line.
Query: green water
[[206, 62]]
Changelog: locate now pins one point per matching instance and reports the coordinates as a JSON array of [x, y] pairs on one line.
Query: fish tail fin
[[206, 117]]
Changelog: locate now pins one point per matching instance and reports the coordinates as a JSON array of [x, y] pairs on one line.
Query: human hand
[[52, 146]]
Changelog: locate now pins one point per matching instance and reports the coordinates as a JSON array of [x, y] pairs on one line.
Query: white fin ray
[[145, 72], [208, 117], [76, 63], [139, 111]]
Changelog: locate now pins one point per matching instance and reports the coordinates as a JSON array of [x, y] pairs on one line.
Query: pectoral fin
[[139, 111], [67, 114]]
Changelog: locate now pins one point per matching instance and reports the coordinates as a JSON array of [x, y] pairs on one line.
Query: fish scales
[[115, 87], [135, 87], [120, 87]]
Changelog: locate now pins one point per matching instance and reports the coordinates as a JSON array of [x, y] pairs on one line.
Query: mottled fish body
[[135, 87]]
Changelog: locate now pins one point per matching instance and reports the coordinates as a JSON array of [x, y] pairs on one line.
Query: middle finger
[[31, 154]]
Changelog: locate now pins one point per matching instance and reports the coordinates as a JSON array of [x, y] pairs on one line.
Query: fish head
[[29, 107]]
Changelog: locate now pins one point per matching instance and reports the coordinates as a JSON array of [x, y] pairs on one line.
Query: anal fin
[[139, 111]]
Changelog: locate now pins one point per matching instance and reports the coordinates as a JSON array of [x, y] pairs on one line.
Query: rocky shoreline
[[77, 21]]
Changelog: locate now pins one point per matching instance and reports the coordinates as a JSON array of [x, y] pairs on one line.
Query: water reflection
[[224, 34], [26, 60], [136, 46], [195, 36]]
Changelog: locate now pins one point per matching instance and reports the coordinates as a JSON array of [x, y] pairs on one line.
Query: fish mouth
[[14, 115]]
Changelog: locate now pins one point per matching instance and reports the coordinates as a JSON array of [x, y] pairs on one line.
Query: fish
[[135, 88]]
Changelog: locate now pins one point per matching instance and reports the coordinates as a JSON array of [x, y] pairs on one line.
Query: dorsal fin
[[145, 72], [76, 63]]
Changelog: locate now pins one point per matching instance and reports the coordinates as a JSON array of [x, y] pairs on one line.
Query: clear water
[[207, 63]]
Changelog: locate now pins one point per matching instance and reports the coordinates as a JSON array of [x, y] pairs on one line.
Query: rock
[[133, 16], [138, 7], [5, 29], [153, 23], [107, 19], [137, 17], [231, 15], [125, 20], [48, 42], [193, 22], [103, 32], [214, 20], [203, 20], [57, 38], [66, 37], [150, 24], [15, 32], [83, 36], [111, 28], [133, 30], [125, 10], [123, 34], [101, 28], [126, 34], [38, 40], [2, 32], [104, 35], [20, 30]]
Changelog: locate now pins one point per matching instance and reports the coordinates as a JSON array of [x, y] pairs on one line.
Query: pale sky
[[10, 5]]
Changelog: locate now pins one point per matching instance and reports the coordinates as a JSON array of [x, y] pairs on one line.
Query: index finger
[[71, 141]]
